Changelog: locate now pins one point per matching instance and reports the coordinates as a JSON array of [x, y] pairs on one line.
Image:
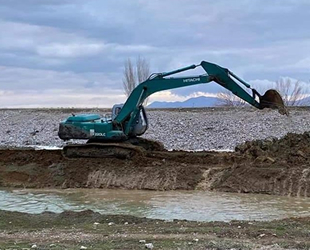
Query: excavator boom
[[222, 76]]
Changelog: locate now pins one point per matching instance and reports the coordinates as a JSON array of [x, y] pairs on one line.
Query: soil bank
[[277, 166]]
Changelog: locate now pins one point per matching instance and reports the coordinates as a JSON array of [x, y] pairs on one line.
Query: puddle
[[189, 205]]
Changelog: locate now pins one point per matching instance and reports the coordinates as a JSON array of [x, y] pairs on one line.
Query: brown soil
[[279, 167]]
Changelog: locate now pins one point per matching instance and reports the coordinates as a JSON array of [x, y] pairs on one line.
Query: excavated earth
[[272, 166]]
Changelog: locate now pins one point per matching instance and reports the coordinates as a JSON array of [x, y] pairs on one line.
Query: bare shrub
[[227, 98], [291, 92]]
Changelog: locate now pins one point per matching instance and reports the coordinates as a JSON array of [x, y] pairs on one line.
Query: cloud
[[166, 95], [58, 99], [21, 79], [62, 44], [87, 49], [70, 50]]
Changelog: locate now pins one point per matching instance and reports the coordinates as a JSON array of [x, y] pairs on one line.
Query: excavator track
[[124, 150], [102, 150], [147, 144]]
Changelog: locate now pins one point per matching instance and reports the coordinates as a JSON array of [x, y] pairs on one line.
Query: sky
[[61, 53]]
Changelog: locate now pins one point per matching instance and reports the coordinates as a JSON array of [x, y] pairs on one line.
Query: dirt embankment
[[275, 166]]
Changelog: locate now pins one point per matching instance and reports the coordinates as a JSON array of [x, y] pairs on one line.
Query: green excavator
[[118, 135]]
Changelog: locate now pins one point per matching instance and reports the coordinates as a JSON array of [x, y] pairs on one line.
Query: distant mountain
[[203, 101], [195, 102]]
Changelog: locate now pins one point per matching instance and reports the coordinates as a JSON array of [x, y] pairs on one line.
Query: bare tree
[[142, 69], [135, 74], [291, 92], [227, 98], [129, 81]]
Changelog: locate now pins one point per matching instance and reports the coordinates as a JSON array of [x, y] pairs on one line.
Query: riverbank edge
[[92, 230]]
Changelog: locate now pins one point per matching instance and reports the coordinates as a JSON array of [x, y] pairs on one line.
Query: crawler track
[[100, 150]]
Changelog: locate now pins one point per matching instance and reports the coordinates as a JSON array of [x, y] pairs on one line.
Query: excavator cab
[[140, 124], [116, 109]]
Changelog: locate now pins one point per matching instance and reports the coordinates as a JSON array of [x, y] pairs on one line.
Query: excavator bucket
[[272, 99]]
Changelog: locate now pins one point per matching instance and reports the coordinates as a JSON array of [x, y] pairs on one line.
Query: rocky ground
[[187, 129], [89, 230]]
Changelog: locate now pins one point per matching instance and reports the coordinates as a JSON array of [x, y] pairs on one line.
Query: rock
[[300, 153], [270, 159], [261, 159], [149, 246]]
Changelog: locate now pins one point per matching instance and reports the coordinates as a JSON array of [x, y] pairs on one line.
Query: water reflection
[[189, 205]]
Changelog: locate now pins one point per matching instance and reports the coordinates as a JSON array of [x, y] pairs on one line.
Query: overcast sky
[[60, 53]]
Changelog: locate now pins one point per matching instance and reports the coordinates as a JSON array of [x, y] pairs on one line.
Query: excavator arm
[[222, 76]]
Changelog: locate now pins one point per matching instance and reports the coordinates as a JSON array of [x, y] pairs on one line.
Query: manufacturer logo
[[195, 79], [92, 133], [99, 134]]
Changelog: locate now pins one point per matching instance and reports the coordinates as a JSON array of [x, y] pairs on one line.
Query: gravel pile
[[196, 129]]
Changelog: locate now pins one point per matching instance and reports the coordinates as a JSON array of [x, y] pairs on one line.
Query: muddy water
[[189, 205]]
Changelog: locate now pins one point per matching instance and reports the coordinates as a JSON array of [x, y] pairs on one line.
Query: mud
[[275, 166]]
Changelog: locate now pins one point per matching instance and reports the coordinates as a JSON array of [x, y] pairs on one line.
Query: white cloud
[[23, 79], [140, 48], [303, 63], [168, 96], [70, 50]]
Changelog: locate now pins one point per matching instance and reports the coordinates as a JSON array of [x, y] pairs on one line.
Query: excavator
[[118, 134]]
